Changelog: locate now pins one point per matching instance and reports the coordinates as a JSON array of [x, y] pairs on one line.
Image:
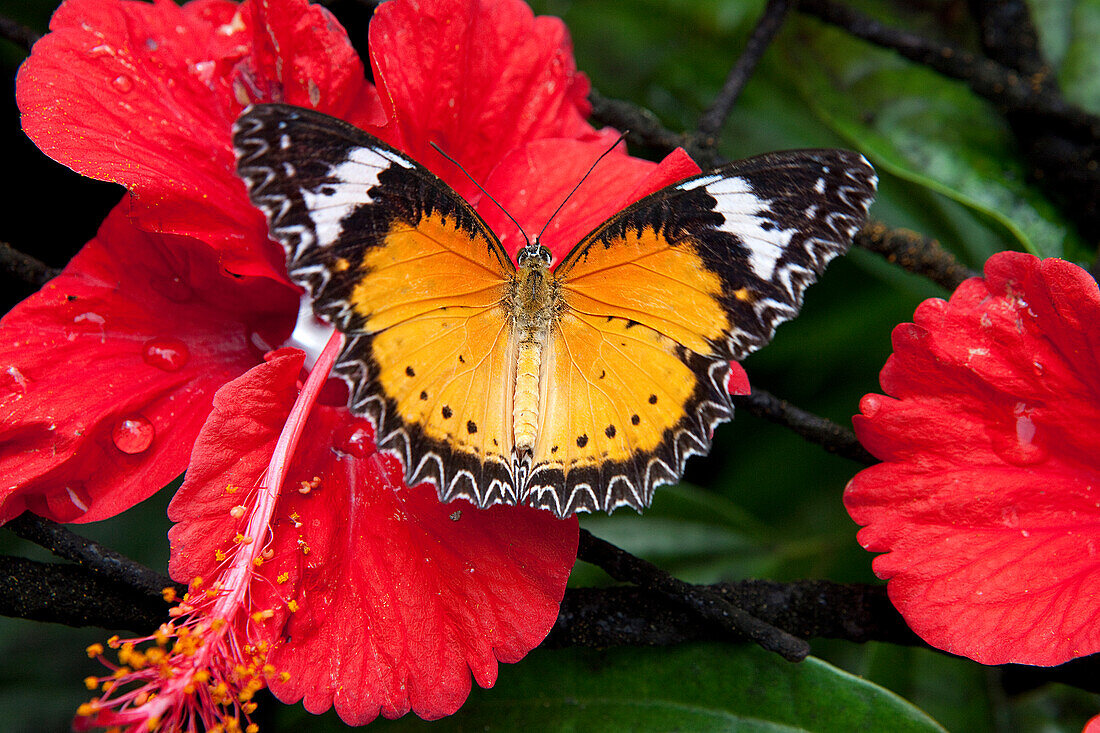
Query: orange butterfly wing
[[658, 300], [410, 273]]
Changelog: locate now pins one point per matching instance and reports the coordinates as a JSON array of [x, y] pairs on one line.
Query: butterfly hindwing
[[411, 274], [662, 296]]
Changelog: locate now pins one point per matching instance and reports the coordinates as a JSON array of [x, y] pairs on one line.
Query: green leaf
[[694, 687], [919, 126]]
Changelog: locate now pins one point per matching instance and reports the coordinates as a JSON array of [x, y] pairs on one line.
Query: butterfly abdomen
[[534, 299]]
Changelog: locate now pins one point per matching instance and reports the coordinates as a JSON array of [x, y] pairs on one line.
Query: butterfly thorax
[[535, 299]]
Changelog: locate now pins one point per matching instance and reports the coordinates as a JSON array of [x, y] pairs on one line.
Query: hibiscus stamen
[[200, 670]]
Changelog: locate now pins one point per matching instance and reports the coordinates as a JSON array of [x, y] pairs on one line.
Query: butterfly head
[[534, 253]]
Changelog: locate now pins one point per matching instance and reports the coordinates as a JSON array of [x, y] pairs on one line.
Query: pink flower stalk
[[218, 660]]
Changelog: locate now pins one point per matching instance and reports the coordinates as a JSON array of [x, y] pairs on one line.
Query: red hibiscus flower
[[987, 503], [349, 589]]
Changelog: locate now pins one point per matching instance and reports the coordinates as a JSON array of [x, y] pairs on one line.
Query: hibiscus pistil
[[200, 670]]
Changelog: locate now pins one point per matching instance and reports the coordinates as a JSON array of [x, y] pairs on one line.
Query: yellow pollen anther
[[257, 561], [219, 555], [231, 489], [202, 676], [91, 682], [169, 594], [284, 677], [94, 650], [240, 539], [261, 616], [282, 578], [86, 709]]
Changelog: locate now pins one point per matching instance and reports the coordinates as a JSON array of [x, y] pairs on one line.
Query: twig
[[622, 616], [100, 560], [1009, 37], [628, 616], [1060, 140], [592, 617], [623, 566], [1064, 162], [645, 128], [26, 268], [17, 33], [69, 594], [775, 12], [913, 252], [814, 428], [987, 78]]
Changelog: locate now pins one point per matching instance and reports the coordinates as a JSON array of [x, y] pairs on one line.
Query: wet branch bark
[[913, 252], [711, 606], [706, 132], [28, 269]]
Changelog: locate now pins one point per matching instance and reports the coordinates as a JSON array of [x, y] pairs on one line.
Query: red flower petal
[[533, 181], [145, 95], [107, 372], [485, 78], [988, 502], [399, 597]]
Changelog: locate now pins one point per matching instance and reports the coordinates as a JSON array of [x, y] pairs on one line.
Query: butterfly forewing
[[662, 297], [405, 267]]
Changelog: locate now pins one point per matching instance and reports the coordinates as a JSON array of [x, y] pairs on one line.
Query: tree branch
[[1058, 138], [645, 128], [621, 565], [913, 252], [26, 268], [705, 138], [985, 77], [70, 595], [816, 429], [17, 33], [593, 617], [103, 561], [1009, 37]]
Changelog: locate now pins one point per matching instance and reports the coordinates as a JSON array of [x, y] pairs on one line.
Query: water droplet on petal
[[1038, 366], [12, 380], [166, 352], [133, 434], [101, 50], [68, 502], [1019, 447], [122, 83], [355, 440]]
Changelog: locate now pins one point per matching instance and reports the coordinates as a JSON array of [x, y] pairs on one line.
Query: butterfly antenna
[[482, 189], [583, 178]]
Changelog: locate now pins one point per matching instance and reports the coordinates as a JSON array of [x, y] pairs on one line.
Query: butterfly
[[575, 386]]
